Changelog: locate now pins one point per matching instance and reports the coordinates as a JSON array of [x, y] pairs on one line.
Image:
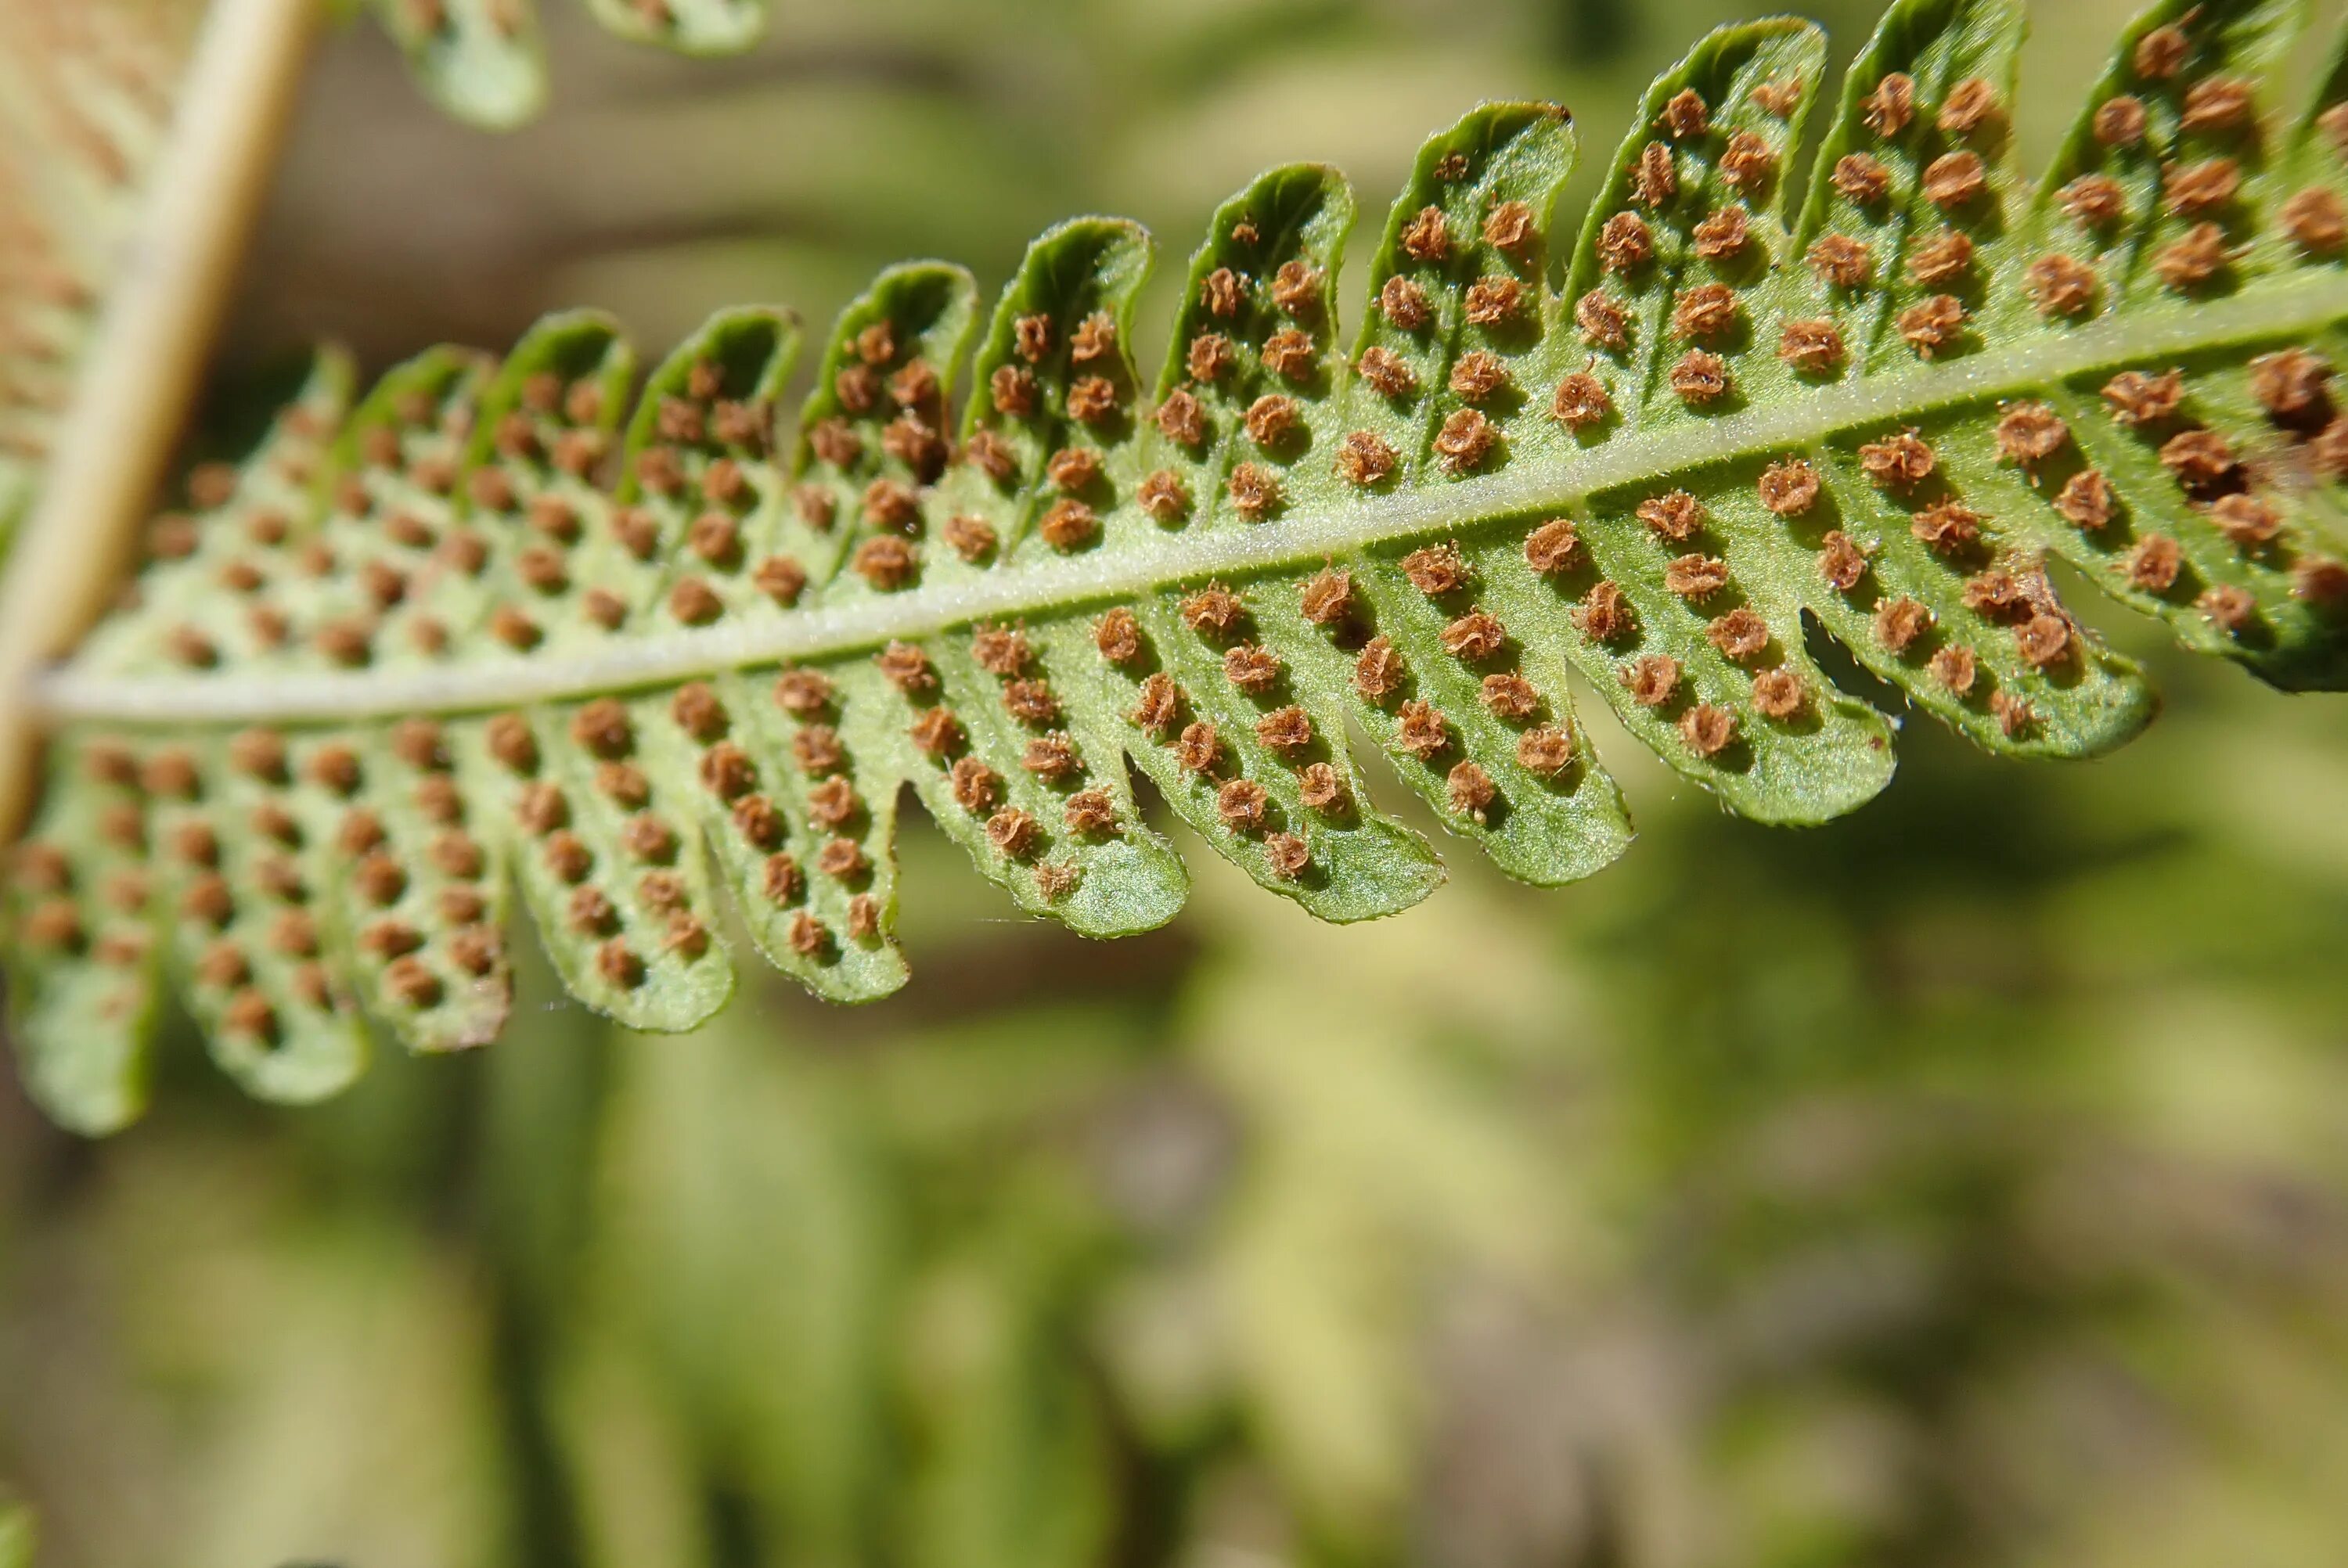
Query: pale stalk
[[148, 354]]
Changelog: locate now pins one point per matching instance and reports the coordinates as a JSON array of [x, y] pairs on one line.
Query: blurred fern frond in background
[[484, 61], [88, 88], [85, 99]]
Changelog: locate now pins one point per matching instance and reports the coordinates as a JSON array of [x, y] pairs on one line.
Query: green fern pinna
[[487, 632], [484, 61]]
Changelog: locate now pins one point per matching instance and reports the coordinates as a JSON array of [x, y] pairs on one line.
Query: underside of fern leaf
[[489, 633], [86, 95], [483, 60]]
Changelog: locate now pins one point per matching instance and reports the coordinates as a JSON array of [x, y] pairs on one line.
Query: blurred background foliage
[[1965, 1183], [85, 99]]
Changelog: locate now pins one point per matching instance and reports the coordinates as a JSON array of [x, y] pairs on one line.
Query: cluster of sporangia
[[465, 505], [2290, 384], [39, 295]]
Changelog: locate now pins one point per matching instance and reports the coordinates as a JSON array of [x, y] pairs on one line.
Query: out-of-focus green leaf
[[1011, 1469], [15, 1536], [773, 1350], [484, 61]]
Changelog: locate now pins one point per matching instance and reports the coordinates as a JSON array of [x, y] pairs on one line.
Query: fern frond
[[484, 61], [86, 91], [391, 661]]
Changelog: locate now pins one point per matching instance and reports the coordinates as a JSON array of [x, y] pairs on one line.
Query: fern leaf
[[484, 61], [85, 97], [474, 635]]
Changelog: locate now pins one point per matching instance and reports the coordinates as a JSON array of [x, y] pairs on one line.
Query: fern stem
[[2283, 312], [148, 354]]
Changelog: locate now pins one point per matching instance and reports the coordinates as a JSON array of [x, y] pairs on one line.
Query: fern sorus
[[489, 633]]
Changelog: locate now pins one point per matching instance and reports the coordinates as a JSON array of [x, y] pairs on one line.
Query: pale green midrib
[[2302, 304]]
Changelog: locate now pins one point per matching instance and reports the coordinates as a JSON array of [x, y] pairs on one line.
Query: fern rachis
[[414, 654]]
